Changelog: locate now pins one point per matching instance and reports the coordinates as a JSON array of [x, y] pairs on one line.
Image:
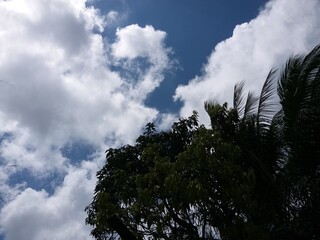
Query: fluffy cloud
[[57, 82], [62, 82], [39, 216], [283, 28], [134, 44]]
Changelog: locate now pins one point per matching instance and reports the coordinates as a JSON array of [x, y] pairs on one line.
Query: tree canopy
[[254, 174]]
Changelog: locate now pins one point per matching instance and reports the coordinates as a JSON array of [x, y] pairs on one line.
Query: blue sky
[[78, 77], [192, 28]]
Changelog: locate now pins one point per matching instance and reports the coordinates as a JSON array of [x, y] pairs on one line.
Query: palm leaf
[[299, 92], [287, 82], [298, 89], [238, 100], [249, 106], [267, 103]]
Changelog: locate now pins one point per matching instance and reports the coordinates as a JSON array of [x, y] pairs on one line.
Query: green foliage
[[254, 174]]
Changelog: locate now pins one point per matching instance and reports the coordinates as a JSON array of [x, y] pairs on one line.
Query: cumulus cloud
[[39, 216], [134, 41], [57, 82], [62, 82], [134, 44], [282, 28]]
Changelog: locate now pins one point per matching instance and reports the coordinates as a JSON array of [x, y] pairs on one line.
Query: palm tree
[[260, 144], [282, 146], [299, 93], [249, 125]]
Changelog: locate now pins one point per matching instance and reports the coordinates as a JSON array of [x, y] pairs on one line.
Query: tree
[[254, 174], [299, 92], [189, 182]]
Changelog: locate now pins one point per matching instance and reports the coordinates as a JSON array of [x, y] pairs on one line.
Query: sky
[[78, 77]]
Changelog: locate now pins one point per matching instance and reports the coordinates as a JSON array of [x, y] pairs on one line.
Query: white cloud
[[283, 28], [166, 120], [57, 87], [135, 43], [61, 216], [59, 84]]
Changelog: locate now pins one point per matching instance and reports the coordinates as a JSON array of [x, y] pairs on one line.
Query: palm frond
[[298, 88], [299, 92], [311, 61], [267, 104], [290, 88], [249, 106], [311, 74], [238, 100], [298, 82], [288, 76]]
